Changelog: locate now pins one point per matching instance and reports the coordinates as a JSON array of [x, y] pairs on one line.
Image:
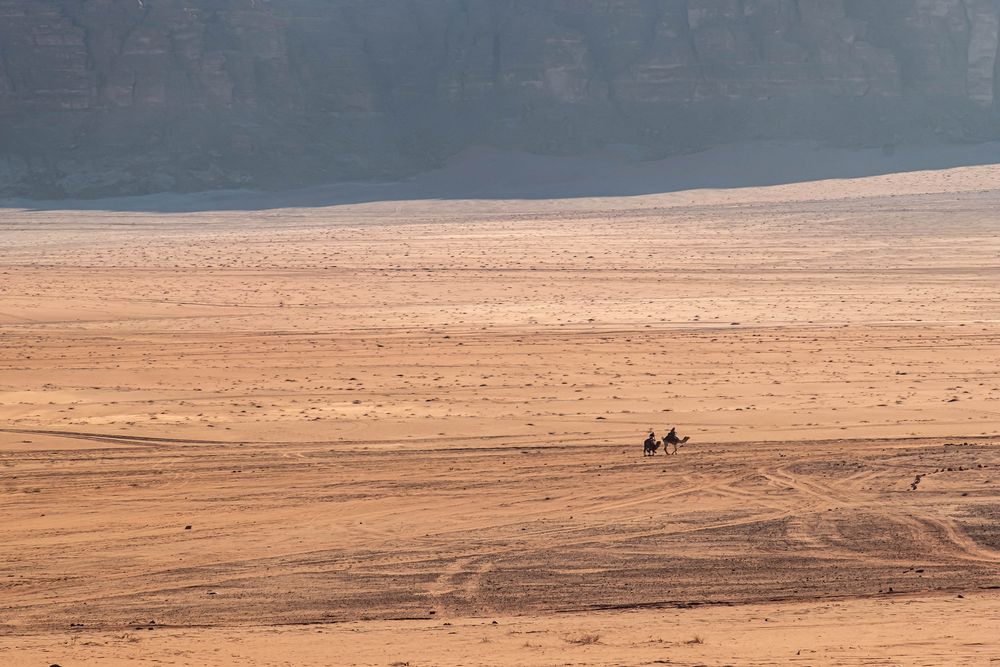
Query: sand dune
[[390, 424]]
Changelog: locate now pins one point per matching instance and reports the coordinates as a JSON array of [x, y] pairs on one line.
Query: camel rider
[[651, 440], [670, 439]]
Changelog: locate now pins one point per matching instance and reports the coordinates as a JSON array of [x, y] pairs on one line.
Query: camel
[[650, 446], [672, 439]]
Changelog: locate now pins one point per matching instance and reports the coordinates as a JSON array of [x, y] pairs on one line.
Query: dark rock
[[105, 98]]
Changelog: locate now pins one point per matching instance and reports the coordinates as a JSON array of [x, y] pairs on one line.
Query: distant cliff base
[[107, 98]]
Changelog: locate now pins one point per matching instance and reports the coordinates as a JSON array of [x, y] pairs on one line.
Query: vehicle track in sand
[[365, 522]]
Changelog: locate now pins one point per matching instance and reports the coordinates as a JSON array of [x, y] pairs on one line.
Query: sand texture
[[360, 434]]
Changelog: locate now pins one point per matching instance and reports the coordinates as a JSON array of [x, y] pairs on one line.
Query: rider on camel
[[671, 439]]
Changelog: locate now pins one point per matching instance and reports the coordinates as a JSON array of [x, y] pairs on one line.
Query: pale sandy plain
[[408, 433]]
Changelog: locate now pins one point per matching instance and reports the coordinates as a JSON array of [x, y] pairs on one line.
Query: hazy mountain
[[102, 97]]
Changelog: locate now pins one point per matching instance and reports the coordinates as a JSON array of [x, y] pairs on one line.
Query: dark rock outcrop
[[105, 97]]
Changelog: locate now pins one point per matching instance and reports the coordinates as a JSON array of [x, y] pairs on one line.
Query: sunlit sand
[[411, 432]]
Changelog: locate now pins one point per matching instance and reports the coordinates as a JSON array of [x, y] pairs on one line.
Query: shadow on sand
[[493, 174]]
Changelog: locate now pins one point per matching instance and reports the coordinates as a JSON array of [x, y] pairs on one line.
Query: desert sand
[[409, 432]]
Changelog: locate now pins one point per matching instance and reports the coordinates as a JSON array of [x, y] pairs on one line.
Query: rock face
[[103, 97]]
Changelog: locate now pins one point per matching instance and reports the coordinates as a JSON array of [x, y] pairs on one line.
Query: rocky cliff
[[124, 96]]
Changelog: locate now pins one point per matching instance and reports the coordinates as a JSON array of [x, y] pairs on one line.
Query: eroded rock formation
[[124, 96]]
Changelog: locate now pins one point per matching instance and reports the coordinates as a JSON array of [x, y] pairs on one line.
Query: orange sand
[[390, 424]]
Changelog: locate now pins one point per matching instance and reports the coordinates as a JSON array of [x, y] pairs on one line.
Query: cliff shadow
[[495, 174]]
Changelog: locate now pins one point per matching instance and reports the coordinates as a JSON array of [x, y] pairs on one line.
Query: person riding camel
[[672, 439], [650, 445]]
